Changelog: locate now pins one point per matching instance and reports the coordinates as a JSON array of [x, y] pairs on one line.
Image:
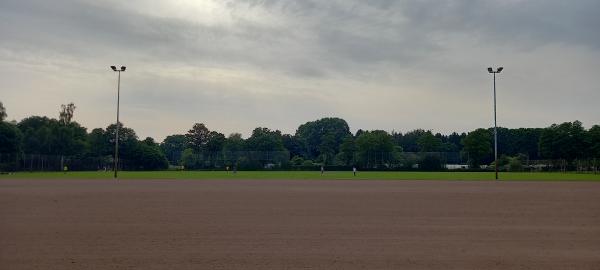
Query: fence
[[204, 160], [39, 162], [399, 160], [562, 165], [238, 159], [281, 160]]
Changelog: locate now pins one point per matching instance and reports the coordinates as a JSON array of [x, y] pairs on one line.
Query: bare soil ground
[[284, 224]]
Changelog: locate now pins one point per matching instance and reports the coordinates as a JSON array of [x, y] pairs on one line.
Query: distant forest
[[42, 143]]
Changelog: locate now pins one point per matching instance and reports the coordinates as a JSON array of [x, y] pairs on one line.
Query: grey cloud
[[322, 38], [313, 58]]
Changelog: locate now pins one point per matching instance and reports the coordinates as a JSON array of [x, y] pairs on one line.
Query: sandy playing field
[[294, 224]]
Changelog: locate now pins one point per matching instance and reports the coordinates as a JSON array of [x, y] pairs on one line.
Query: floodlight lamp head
[[490, 70], [123, 68], [500, 69], [113, 68]]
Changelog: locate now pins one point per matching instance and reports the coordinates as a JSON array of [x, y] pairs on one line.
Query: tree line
[[324, 142]]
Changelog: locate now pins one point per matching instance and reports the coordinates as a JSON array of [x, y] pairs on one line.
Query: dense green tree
[[268, 145], [149, 141], [188, 159], [233, 147], [10, 138], [409, 141], [322, 137], [375, 148], [99, 144], [37, 137], [214, 148], [264, 139], [594, 141], [172, 146], [564, 141], [455, 139], [519, 141], [10, 146], [69, 139], [327, 149], [478, 147], [429, 143], [294, 145], [347, 153], [149, 156], [49, 137], [197, 137], [234, 143], [128, 142], [326, 141], [215, 142]]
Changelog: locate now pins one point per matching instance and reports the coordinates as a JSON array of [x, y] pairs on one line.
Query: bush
[[308, 163], [515, 165]]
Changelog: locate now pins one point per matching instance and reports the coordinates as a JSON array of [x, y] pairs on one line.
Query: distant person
[[227, 169], [65, 169], [322, 170], [354, 170]]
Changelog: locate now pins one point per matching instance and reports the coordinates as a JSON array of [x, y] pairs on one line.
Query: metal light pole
[[117, 131], [490, 70]]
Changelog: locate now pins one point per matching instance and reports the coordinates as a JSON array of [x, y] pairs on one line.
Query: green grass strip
[[309, 175]]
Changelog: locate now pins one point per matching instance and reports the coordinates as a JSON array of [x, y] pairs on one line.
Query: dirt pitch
[[271, 224]]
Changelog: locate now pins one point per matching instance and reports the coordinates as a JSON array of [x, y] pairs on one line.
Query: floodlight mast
[[498, 70], [116, 159]]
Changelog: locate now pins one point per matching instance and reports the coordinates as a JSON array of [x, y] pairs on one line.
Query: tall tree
[[294, 145], [409, 141], [267, 146], [172, 146], [37, 135], [148, 156], [10, 138], [429, 143], [10, 146], [197, 137], [2, 112], [234, 143], [564, 141], [128, 142], [323, 136], [66, 113], [265, 140], [98, 143], [215, 142], [455, 139], [478, 147], [232, 148], [594, 141], [376, 148], [347, 153]]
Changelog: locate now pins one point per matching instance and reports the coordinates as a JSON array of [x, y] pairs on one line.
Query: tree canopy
[[326, 141]]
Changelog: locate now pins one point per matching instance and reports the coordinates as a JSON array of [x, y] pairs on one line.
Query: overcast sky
[[236, 65]]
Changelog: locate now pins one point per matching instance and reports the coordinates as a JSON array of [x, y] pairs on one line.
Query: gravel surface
[[286, 224]]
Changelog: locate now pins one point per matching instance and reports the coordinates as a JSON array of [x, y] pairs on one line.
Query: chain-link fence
[[258, 160], [39, 162], [203, 160], [562, 165]]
